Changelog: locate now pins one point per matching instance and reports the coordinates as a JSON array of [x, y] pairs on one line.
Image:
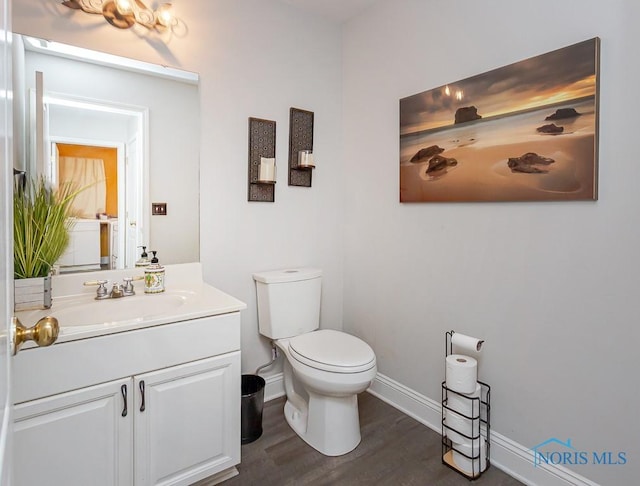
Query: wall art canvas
[[524, 132]]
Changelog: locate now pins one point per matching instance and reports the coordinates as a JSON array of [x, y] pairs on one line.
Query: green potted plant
[[40, 236]]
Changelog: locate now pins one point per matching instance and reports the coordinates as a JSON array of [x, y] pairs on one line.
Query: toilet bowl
[[324, 369], [331, 367]]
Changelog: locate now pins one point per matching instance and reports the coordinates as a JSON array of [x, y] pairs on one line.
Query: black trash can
[[251, 407]]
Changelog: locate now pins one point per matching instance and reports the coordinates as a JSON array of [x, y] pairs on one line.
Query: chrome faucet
[[127, 288], [117, 290], [101, 293]]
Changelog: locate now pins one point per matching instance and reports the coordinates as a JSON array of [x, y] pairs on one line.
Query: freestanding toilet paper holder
[[469, 455]]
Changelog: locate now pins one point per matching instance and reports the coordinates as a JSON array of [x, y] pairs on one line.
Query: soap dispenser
[[144, 258], [154, 276]]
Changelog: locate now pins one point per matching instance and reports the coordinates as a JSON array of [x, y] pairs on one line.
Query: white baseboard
[[274, 386], [509, 456]]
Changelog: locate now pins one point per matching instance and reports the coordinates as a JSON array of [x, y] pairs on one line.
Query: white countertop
[[80, 316]]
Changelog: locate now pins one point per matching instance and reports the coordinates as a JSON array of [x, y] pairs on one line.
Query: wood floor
[[395, 450]]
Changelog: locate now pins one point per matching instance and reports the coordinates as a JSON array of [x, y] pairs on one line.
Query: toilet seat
[[333, 351]]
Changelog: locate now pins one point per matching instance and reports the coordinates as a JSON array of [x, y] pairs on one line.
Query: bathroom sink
[[114, 310], [84, 311]]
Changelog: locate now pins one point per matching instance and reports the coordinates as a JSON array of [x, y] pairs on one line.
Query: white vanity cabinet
[[75, 438], [158, 405], [184, 421]]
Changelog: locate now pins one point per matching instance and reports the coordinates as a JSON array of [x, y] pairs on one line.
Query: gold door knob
[[44, 333]]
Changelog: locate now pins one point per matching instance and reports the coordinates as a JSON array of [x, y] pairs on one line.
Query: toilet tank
[[288, 301]]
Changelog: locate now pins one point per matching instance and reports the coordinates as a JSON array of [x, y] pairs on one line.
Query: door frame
[[6, 242], [120, 148]]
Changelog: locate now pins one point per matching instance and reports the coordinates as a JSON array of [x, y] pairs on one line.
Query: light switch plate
[[158, 209]]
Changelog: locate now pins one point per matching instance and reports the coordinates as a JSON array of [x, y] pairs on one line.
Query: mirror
[[127, 131]]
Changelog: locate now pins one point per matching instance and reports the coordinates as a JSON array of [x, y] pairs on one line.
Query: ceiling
[[336, 10]]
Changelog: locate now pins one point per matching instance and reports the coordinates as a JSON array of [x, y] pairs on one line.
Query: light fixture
[[124, 14]]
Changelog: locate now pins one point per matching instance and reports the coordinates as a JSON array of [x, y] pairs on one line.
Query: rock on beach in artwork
[[562, 113], [426, 153], [529, 163], [466, 114], [439, 162], [551, 128]]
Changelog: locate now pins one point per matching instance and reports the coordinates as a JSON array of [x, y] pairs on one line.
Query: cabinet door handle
[[142, 407], [123, 390]]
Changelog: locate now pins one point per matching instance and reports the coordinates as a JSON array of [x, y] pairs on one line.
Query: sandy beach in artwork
[[482, 151]]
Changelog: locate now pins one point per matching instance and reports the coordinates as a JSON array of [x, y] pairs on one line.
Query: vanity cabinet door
[[187, 421], [78, 438]]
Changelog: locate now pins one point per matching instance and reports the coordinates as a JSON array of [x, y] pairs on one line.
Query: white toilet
[[324, 369]]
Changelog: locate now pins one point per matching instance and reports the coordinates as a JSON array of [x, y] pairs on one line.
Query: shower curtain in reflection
[[88, 174]]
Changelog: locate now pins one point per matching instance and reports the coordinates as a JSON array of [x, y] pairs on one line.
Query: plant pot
[[32, 293]]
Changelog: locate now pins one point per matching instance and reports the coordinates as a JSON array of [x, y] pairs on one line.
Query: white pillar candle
[[305, 158], [267, 169]]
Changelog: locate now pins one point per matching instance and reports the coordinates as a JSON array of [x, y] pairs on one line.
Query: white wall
[[552, 287], [256, 58]]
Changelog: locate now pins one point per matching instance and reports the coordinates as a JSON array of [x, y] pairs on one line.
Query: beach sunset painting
[[524, 132]]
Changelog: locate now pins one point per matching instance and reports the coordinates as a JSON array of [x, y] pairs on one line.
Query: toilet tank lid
[[287, 275]]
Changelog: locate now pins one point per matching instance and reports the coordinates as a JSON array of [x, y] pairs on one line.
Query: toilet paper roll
[[461, 373], [457, 425], [471, 466], [462, 403], [466, 343]]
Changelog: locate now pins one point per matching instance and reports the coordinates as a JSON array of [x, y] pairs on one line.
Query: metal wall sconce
[[301, 159], [262, 162]]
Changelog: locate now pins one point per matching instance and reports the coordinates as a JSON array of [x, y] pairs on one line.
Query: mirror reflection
[[129, 133]]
